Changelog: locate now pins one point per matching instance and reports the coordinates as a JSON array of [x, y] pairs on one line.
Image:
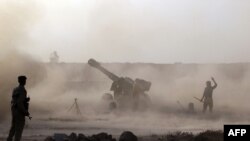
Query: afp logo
[[236, 132]]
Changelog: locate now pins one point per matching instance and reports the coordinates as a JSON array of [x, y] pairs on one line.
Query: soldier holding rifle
[[19, 109]]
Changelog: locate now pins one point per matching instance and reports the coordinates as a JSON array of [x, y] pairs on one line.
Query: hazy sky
[[159, 31]]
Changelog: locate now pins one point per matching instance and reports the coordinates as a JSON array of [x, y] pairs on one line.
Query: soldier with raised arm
[[19, 109], [207, 97]]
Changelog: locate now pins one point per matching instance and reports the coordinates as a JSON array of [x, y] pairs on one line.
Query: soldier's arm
[[215, 84], [20, 103]]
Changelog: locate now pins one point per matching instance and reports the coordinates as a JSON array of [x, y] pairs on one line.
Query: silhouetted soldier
[[54, 58], [208, 96], [19, 109]]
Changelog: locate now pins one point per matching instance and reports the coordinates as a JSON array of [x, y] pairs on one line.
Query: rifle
[[198, 99], [26, 105]]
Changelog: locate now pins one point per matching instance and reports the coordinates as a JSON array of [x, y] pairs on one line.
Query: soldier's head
[[22, 80], [208, 83]]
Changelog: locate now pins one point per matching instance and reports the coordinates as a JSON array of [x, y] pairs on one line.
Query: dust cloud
[[53, 86], [181, 82], [170, 83], [16, 19]]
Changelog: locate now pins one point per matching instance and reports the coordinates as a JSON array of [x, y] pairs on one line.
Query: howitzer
[[98, 66], [123, 87]]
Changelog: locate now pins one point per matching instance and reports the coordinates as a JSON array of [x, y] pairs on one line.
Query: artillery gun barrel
[[98, 66]]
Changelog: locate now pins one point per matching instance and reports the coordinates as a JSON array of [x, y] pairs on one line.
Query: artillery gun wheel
[[112, 105], [144, 102], [109, 102], [107, 97]]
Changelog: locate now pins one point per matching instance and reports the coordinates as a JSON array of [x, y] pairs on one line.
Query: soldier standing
[[19, 109], [207, 96]]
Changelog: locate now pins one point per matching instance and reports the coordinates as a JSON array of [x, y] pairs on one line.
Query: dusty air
[[119, 70]]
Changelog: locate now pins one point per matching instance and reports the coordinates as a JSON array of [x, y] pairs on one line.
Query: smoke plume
[[16, 21]]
